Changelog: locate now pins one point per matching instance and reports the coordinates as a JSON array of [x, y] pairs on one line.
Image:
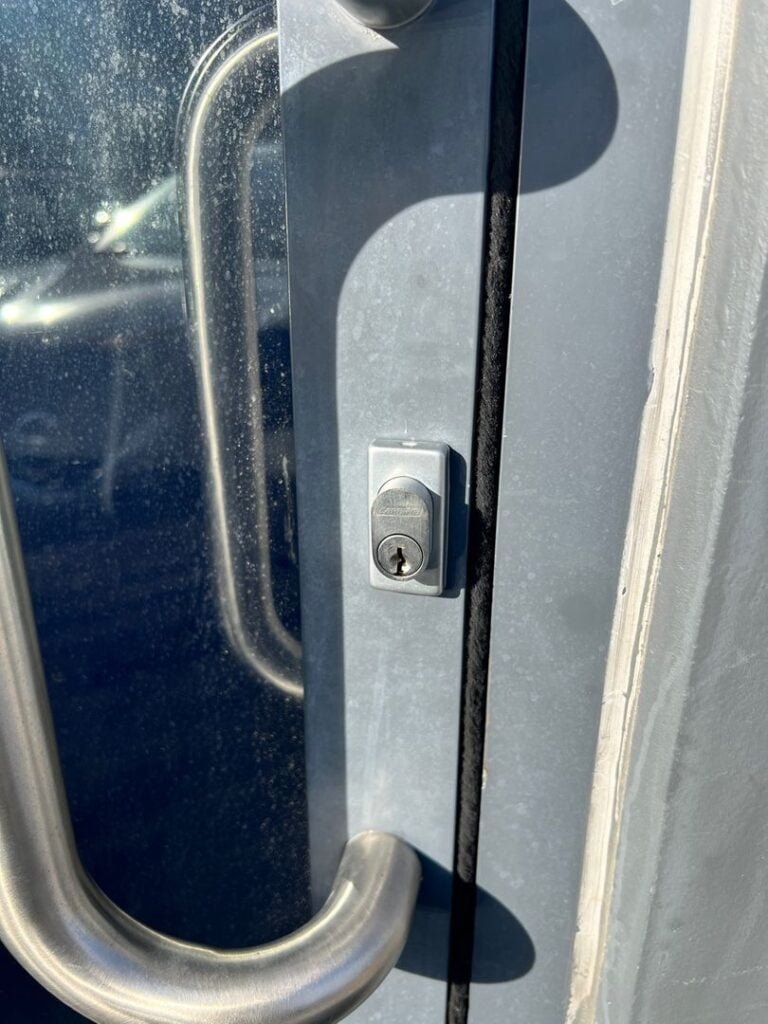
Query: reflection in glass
[[235, 249]]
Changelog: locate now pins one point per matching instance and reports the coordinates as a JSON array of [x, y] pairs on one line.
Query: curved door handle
[[230, 106], [113, 969]]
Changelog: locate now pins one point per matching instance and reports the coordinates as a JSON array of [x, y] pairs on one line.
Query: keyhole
[[401, 563], [399, 556]]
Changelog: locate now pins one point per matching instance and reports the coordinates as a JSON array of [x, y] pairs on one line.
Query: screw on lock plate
[[408, 487]]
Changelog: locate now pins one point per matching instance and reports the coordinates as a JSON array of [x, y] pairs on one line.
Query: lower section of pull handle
[[108, 966], [113, 970]]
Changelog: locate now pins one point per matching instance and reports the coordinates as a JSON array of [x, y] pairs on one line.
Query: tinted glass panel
[[182, 751]]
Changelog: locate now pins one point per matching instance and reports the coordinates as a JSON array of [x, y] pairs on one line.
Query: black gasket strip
[[503, 174]]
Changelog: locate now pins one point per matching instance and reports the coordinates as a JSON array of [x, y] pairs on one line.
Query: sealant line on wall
[[705, 88]]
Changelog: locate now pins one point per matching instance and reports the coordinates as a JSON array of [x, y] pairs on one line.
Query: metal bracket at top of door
[[385, 14]]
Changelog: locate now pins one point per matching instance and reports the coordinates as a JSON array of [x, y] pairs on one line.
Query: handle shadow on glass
[[83, 948], [231, 196]]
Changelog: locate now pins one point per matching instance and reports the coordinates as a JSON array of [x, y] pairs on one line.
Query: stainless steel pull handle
[[230, 104], [113, 969]]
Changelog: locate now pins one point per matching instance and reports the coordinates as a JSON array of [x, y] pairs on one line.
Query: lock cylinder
[[408, 501], [401, 528]]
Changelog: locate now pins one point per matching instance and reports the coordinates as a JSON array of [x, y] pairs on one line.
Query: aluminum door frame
[[386, 141]]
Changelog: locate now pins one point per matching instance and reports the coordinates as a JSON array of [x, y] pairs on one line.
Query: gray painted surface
[[689, 927], [386, 165], [603, 83]]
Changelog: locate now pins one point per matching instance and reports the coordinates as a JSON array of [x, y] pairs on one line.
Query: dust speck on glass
[[181, 739]]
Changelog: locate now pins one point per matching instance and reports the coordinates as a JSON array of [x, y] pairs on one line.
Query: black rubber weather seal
[[503, 169]]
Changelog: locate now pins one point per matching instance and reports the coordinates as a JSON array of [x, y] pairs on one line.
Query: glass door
[[241, 252]]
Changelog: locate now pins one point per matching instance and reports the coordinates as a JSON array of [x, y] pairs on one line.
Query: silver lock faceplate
[[408, 504]]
